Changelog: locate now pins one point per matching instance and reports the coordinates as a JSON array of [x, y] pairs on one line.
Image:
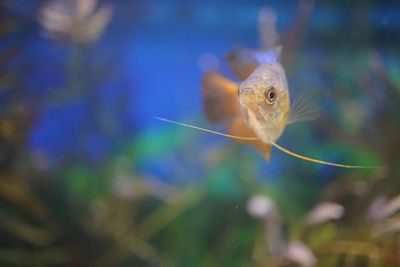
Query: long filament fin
[[272, 143], [320, 161], [206, 130]]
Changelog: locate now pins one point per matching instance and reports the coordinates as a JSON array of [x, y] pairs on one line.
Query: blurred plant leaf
[[299, 253], [19, 194], [40, 257], [324, 212]]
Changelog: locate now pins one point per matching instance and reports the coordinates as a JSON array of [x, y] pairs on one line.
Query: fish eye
[[270, 94]]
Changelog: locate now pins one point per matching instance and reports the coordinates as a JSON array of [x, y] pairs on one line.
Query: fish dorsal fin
[[219, 97], [302, 109], [268, 56], [241, 62], [267, 26], [244, 62]]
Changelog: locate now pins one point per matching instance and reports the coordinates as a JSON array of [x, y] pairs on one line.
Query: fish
[[260, 104], [258, 108], [265, 104]]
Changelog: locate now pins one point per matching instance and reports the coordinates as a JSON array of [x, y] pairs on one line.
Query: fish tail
[[219, 97], [321, 161]]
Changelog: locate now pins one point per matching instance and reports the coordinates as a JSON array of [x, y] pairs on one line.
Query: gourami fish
[[258, 109]]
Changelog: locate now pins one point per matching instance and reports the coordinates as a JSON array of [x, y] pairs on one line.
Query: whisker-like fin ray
[[272, 143], [320, 161], [206, 130]]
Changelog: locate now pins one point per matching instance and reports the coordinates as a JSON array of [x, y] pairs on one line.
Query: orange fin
[[220, 97], [240, 63], [239, 128]]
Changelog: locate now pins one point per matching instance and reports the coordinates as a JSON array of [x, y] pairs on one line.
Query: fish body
[[258, 106], [264, 101]]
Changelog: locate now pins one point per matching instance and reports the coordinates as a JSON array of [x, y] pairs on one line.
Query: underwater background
[[89, 177]]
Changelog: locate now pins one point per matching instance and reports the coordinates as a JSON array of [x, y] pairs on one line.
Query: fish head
[[264, 101]]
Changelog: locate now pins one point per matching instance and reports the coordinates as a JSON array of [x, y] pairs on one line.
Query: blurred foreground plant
[[75, 21]]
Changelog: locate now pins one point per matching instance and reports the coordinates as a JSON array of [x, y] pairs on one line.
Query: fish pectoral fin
[[302, 109], [239, 128], [219, 97]]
